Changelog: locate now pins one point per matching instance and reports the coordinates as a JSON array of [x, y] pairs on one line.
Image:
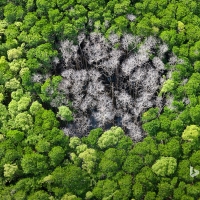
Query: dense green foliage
[[37, 161]]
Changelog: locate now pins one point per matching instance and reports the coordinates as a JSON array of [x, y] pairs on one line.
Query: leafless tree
[[124, 101], [96, 48], [77, 88], [65, 85], [173, 60], [82, 125], [150, 42], [184, 81], [157, 62], [81, 38], [77, 99], [113, 38], [127, 40], [110, 65], [159, 102], [37, 78], [129, 65], [135, 132], [169, 101], [95, 88], [186, 100], [68, 73], [94, 75], [58, 101], [163, 48], [118, 83], [88, 103], [131, 17], [126, 120], [69, 52], [56, 61]]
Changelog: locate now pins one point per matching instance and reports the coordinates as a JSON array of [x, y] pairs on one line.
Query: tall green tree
[[110, 138], [34, 163], [165, 166]]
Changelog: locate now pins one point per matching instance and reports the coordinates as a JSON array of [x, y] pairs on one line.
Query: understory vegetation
[[99, 99]]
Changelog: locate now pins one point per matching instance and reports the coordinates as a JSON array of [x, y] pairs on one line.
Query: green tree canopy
[[191, 133], [34, 163], [110, 138], [10, 170], [65, 113], [165, 166], [56, 155]]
